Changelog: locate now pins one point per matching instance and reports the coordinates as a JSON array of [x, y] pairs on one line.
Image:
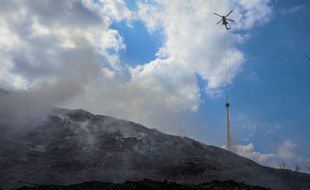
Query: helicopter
[[225, 20]]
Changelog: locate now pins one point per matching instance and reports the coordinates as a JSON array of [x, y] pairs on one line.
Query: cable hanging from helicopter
[[224, 20]]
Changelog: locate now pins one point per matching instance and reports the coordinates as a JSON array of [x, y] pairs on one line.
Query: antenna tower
[[224, 20], [227, 104]]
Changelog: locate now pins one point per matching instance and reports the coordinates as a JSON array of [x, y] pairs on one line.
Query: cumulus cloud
[[65, 53], [286, 150], [195, 41], [248, 151], [285, 153], [55, 48]]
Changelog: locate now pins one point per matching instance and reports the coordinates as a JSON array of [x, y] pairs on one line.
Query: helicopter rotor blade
[[219, 22], [229, 13], [218, 15], [230, 20]]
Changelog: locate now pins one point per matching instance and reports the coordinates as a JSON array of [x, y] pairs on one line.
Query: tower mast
[[228, 145], [227, 104]]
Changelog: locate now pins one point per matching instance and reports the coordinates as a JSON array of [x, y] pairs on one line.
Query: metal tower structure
[[224, 21], [227, 103], [228, 140]]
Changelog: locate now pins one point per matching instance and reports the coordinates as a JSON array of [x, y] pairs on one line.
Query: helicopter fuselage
[[224, 21]]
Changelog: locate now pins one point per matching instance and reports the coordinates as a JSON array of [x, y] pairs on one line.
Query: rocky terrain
[[74, 146]]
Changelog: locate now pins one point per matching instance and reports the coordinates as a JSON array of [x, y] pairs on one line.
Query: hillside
[[75, 146]]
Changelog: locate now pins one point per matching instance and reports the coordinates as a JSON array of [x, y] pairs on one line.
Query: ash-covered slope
[[69, 147]]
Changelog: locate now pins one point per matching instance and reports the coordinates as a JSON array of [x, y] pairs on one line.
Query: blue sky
[[141, 46], [275, 53], [272, 90]]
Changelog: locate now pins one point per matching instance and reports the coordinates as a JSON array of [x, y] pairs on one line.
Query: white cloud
[[291, 10], [287, 153], [249, 152], [38, 29], [116, 9], [55, 42], [169, 84], [62, 51], [193, 39], [252, 13], [148, 93], [8, 38], [286, 150], [284, 153]]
